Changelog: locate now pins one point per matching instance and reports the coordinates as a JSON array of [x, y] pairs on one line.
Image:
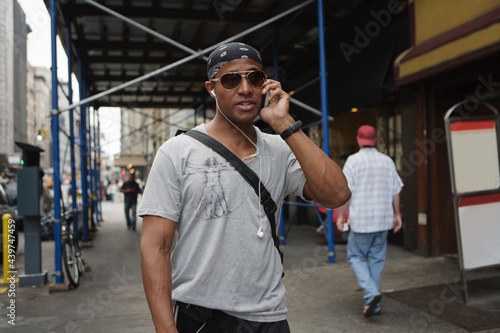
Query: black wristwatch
[[290, 130]]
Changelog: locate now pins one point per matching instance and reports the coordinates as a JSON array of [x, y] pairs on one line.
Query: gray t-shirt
[[218, 261]]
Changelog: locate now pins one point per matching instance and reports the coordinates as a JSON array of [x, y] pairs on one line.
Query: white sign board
[[479, 222], [475, 156]]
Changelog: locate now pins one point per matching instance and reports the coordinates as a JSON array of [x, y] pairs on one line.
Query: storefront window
[[389, 135]]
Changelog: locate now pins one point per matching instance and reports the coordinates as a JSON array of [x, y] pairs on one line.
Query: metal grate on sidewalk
[[446, 303]]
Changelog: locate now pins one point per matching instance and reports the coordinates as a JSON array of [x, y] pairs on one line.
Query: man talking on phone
[[223, 274]]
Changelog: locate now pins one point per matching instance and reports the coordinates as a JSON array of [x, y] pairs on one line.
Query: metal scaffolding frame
[[93, 139], [55, 150]]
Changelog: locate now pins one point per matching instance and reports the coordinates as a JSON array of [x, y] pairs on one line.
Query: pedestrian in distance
[[373, 211], [224, 272], [131, 190], [111, 190]]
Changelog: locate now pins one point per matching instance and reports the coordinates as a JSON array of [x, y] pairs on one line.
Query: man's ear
[[210, 86]]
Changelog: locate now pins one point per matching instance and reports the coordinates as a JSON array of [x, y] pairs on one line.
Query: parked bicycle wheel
[[79, 255], [71, 262]]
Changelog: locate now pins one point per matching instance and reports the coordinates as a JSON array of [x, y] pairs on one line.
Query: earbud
[[213, 92], [260, 233]]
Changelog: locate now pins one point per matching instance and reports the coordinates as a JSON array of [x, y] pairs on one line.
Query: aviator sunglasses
[[230, 81]]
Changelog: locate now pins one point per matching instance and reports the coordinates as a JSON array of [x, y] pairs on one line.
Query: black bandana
[[227, 52]]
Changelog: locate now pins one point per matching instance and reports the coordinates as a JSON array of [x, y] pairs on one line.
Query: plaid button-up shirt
[[373, 181]]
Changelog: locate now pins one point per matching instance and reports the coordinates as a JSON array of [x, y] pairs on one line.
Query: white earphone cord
[[256, 148], [243, 159]]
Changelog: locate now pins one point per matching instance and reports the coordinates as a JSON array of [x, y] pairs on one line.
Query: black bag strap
[[247, 173]]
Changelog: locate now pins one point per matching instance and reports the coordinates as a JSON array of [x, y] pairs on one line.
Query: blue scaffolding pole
[[326, 142], [324, 109], [90, 166], [98, 158], [55, 149], [284, 232], [72, 135], [97, 184], [83, 152]]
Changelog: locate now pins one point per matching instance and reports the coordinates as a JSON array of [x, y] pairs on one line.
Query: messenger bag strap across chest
[[247, 173]]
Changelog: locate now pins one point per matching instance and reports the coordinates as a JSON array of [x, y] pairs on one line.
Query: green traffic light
[[22, 162], [39, 137]]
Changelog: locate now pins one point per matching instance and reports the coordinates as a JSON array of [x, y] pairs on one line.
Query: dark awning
[[361, 82]]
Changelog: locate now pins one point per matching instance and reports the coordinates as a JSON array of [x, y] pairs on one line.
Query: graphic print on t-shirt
[[216, 173]]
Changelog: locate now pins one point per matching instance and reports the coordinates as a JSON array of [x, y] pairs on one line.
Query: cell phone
[[265, 102]]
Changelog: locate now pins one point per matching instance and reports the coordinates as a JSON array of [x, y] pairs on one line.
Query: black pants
[[221, 322]]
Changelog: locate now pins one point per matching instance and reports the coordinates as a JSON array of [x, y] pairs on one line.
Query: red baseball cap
[[367, 136]]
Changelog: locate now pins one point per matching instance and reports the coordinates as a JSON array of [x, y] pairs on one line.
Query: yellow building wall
[[434, 17], [455, 49]]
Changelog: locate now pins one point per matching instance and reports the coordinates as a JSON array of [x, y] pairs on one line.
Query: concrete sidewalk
[[320, 297], [326, 298]]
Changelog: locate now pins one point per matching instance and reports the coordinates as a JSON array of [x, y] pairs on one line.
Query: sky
[[39, 55]]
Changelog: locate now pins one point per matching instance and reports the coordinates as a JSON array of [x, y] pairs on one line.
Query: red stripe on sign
[[479, 200], [472, 125]]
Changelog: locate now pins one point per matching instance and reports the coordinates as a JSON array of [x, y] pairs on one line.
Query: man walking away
[[374, 210], [130, 189]]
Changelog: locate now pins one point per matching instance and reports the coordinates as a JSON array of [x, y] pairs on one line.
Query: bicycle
[[72, 255]]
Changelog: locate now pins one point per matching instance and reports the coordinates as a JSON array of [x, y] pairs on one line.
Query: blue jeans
[[130, 216], [366, 254]]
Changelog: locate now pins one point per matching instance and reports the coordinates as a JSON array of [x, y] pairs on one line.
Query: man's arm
[[397, 214], [156, 243], [325, 182], [124, 189]]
